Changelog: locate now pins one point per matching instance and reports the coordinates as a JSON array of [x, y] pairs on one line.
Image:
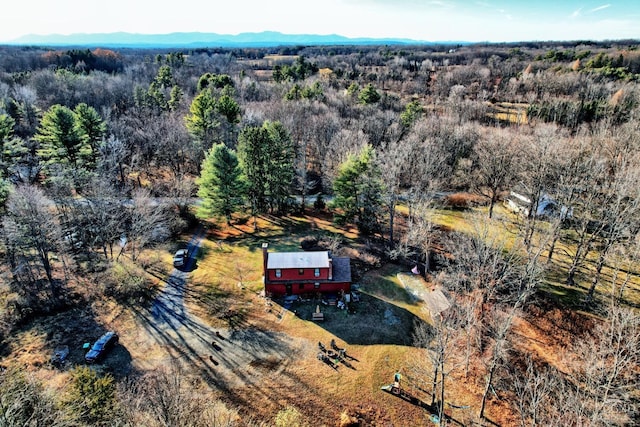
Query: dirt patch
[[547, 332], [433, 298]]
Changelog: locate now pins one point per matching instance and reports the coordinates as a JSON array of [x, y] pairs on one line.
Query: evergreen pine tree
[[357, 191], [220, 183]]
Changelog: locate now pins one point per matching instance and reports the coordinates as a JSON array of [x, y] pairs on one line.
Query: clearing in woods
[[260, 356], [268, 356]]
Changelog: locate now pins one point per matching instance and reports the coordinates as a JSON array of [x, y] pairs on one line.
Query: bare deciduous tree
[[577, 165], [496, 155], [421, 233], [439, 342], [148, 222], [537, 174], [536, 391], [500, 325], [483, 259], [111, 161], [393, 159], [101, 220], [620, 258], [619, 202], [169, 397], [343, 143], [604, 370], [32, 236]]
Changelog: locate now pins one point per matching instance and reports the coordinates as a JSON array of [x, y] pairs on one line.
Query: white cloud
[[576, 13], [604, 6]]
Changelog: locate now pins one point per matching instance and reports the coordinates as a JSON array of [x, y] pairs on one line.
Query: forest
[[110, 156]]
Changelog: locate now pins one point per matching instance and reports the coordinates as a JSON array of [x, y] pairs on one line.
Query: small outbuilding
[[546, 207]]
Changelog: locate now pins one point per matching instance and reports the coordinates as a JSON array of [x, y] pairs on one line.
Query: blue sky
[[424, 20]]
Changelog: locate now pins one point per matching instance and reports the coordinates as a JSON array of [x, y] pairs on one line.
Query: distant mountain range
[[196, 40]]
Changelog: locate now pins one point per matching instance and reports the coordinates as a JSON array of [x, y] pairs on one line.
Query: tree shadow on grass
[[375, 321], [234, 361], [286, 234], [407, 396], [565, 295], [227, 358], [73, 329]]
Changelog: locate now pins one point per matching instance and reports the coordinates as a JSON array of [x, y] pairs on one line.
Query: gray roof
[[341, 270], [298, 260]]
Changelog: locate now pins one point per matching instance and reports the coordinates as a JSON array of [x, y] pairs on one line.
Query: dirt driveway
[[227, 359]]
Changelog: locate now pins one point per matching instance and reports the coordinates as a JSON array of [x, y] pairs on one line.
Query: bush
[[91, 398], [309, 243], [125, 282], [321, 243], [289, 417], [14, 309], [463, 201], [331, 243], [24, 401]]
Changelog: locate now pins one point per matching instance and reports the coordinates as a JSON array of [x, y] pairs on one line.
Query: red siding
[[294, 281], [335, 287], [281, 289], [276, 289], [289, 274]]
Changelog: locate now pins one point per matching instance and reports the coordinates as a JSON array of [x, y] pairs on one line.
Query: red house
[[292, 273]]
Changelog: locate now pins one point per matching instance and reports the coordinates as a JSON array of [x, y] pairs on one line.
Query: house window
[[300, 271], [316, 285], [278, 273], [301, 286], [316, 272]]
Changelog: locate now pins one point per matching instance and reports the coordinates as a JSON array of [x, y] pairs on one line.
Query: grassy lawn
[[378, 337], [505, 226], [238, 255]]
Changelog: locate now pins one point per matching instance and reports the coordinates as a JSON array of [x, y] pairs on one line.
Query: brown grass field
[[509, 112]]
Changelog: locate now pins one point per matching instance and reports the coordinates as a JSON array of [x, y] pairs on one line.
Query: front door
[[289, 289]]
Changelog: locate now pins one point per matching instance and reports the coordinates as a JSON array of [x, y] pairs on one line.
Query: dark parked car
[[180, 258], [101, 347]]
